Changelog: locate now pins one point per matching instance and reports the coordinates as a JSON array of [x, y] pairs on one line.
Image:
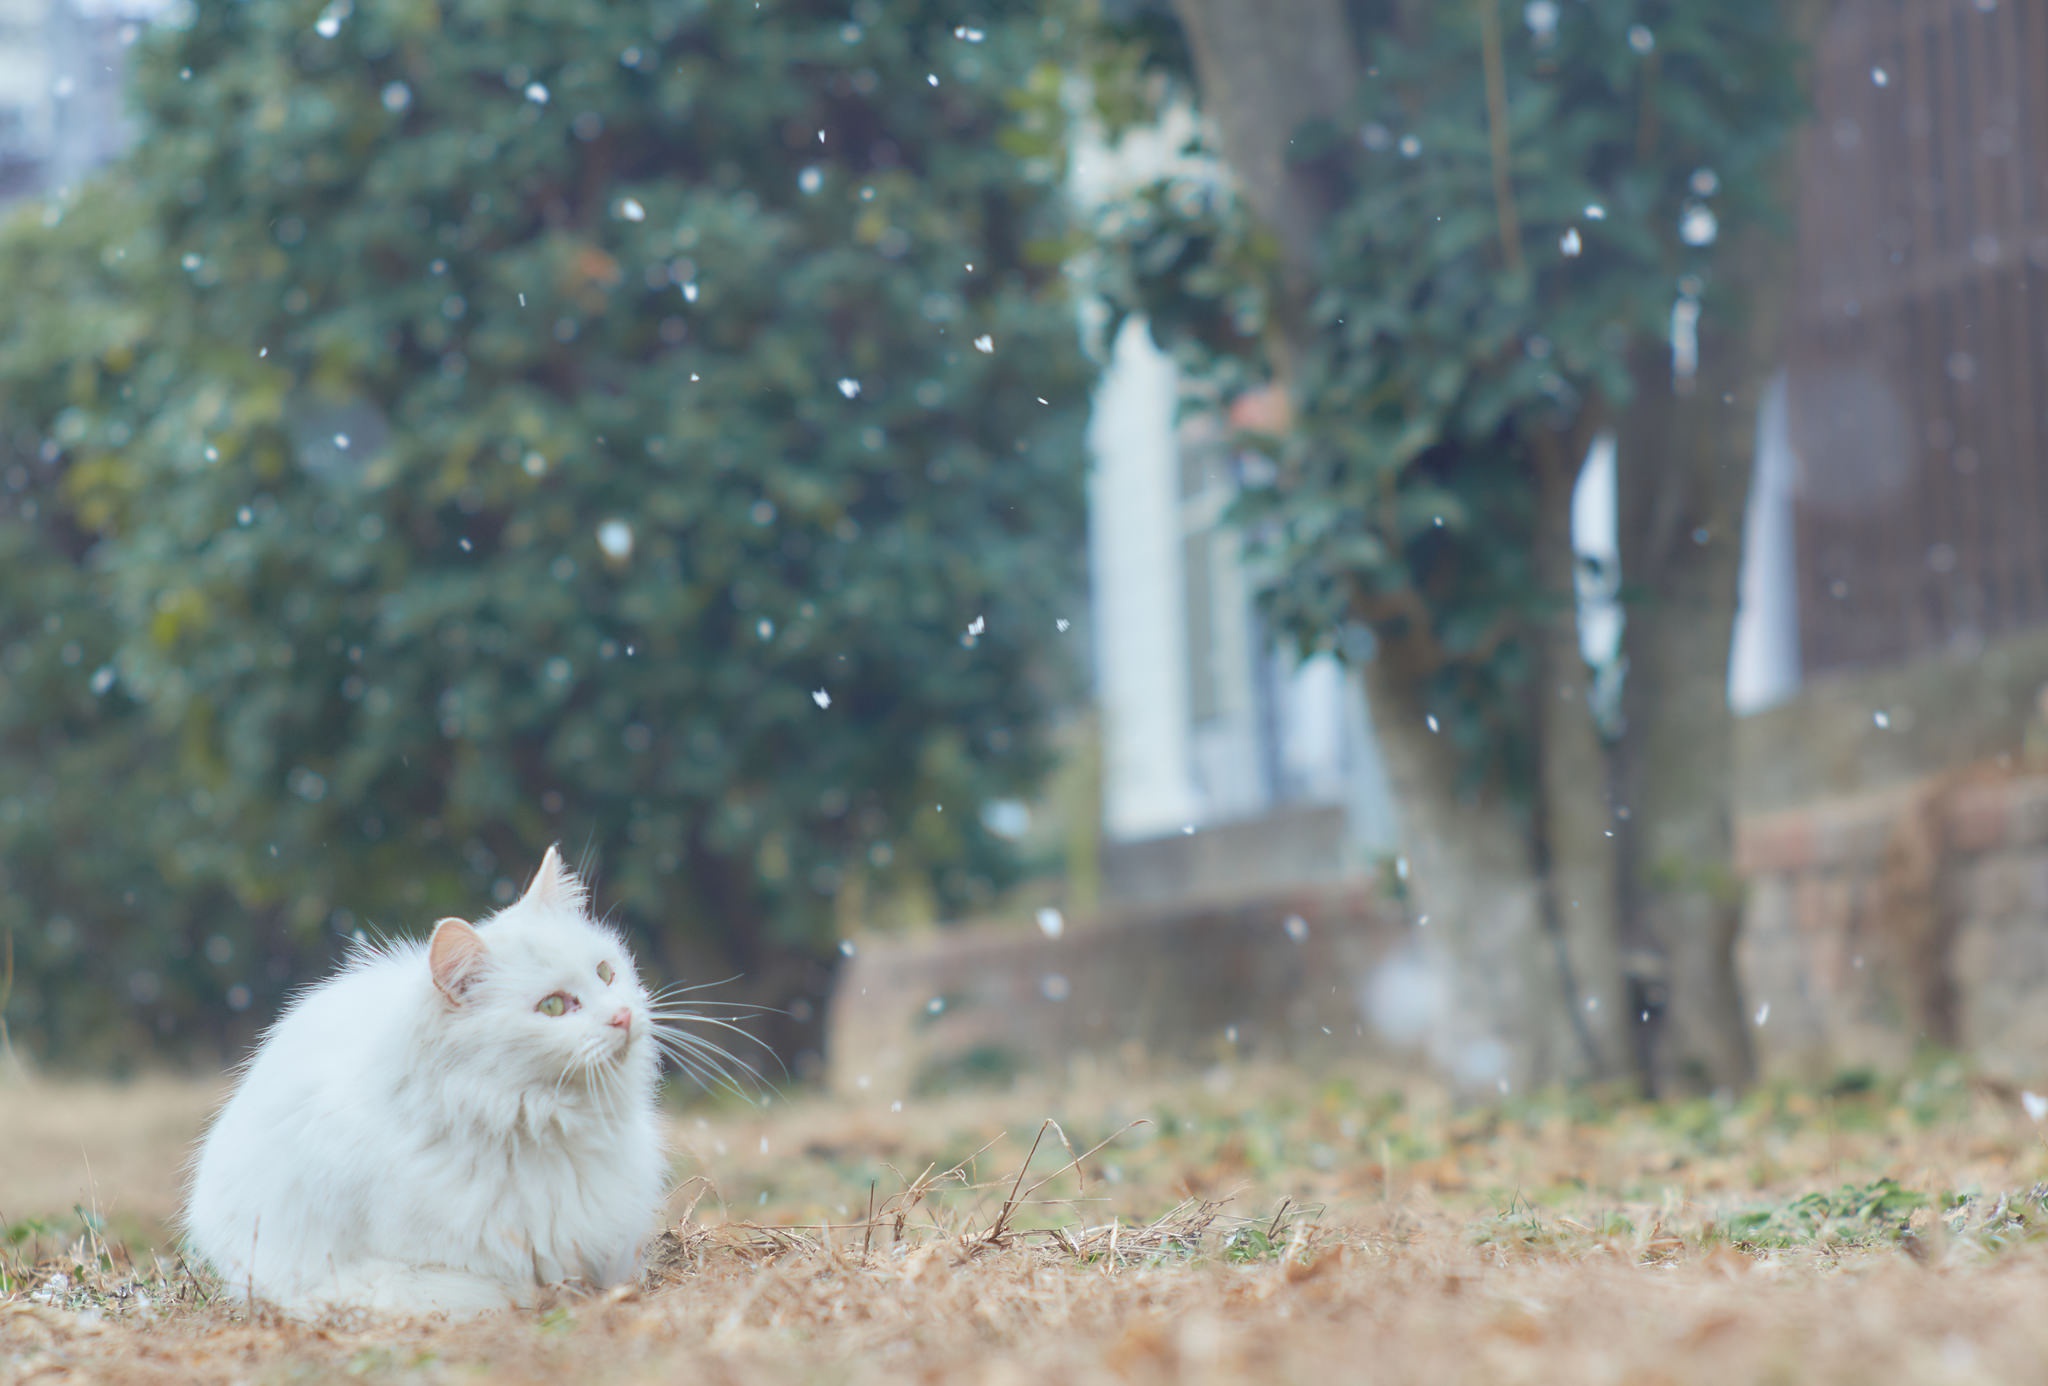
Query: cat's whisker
[[705, 1078], [700, 1045], [681, 988], [609, 1091], [599, 1077], [720, 1058], [568, 1069], [705, 1003], [685, 995], [702, 1058], [662, 1018], [680, 1047], [717, 1057]]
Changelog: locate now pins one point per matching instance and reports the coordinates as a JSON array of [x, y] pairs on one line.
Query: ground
[[1247, 1225]]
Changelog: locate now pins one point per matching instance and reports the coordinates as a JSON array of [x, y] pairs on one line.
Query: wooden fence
[[1920, 343]]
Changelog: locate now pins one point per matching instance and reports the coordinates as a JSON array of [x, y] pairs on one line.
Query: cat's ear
[[555, 884], [457, 958]]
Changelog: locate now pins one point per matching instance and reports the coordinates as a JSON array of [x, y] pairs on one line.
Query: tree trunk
[[1683, 472], [1267, 68], [1499, 1013], [1575, 838], [1683, 468]]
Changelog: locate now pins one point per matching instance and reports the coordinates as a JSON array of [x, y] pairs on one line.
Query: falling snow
[[615, 537]]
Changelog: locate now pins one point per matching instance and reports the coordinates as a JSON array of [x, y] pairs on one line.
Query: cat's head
[[543, 990]]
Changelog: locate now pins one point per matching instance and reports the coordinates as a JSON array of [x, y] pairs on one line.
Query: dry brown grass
[[1257, 1226], [119, 1145]]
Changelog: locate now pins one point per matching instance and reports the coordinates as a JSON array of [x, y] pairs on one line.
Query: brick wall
[[1293, 846], [1875, 923], [1282, 975], [1891, 900], [1918, 912]]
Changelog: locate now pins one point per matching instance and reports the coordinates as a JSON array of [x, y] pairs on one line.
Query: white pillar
[[1763, 665], [1139, 592]]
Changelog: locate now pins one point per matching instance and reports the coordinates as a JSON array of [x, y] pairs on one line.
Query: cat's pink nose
[[622, 1019]]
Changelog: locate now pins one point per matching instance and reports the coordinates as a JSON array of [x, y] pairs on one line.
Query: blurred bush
[[461, 426]]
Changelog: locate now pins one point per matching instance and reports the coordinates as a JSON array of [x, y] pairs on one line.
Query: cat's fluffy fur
[[418, 1134]]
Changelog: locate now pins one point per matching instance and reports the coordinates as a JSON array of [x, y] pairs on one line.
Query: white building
[[1210, 730], [1227, 764], [62, 64]]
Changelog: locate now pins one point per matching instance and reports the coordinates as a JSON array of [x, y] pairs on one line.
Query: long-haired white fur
[[444, 1127]]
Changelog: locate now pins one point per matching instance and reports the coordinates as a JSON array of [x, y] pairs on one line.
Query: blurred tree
[[654, 425], [1464, 247]]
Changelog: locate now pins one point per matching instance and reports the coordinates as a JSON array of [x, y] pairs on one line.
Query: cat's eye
[[605, 973], [557, 1004]]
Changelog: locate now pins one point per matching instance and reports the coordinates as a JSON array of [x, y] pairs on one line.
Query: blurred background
[[1504, 540]]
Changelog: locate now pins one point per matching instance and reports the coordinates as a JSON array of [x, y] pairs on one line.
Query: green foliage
[[1257, 1241], [1437, 365], [1878, 1210], [1136, 55], [481, 425]]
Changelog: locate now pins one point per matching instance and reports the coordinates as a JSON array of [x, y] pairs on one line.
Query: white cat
[[447, 1127]]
